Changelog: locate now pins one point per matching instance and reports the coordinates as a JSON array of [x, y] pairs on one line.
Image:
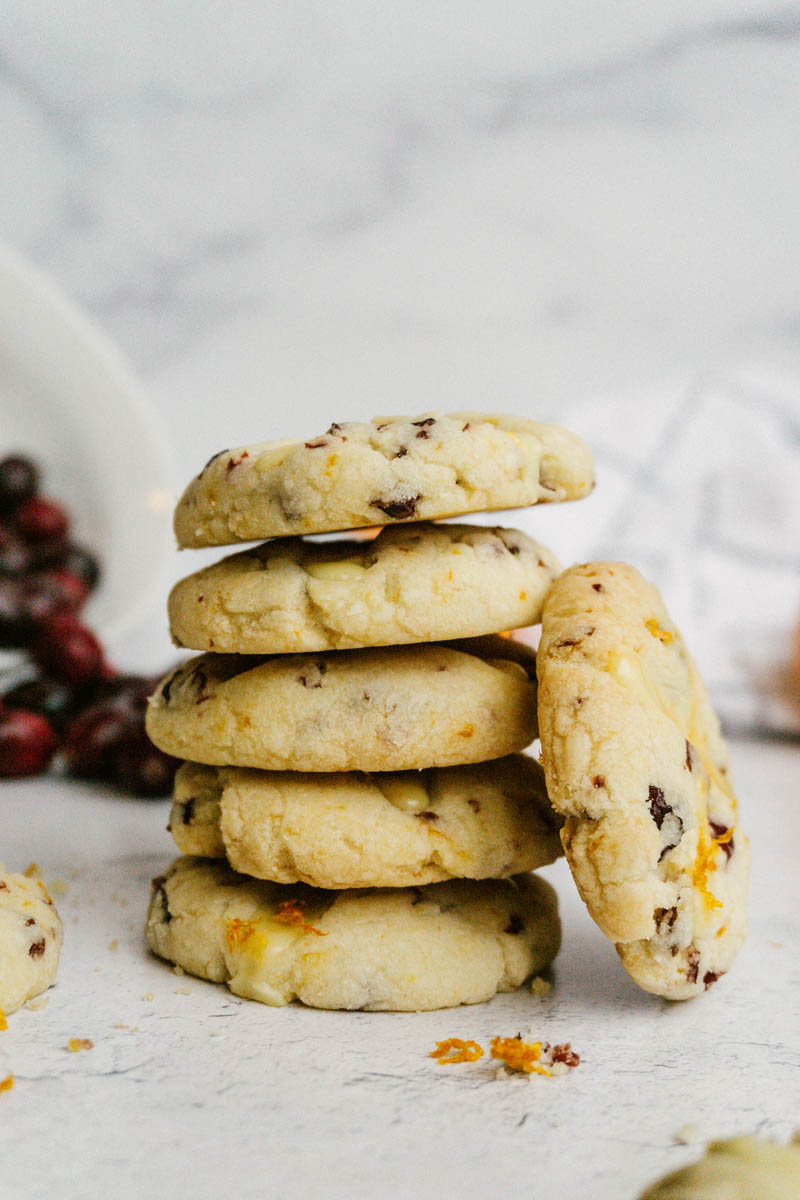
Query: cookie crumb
[[76, 1044], [534, 1057], [176, 970], [113, 944], [58, 887], [33, 871], [148, 996], [7, 1084], [182, 992], [456, 1050], [36, 1004], [687, 1134], [539, 986]]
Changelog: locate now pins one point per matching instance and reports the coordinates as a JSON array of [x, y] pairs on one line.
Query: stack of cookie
[[352, 731]]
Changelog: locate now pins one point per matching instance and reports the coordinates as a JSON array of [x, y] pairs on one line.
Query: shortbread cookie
[[392, 709], [413, 583], [742, 1168], [401, 948], [389, 469], [634, 758], [30, 940], [355, 830]]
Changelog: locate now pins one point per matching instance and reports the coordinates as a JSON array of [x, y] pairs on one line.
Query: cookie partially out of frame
[[742, 1168], [357, 830], [389, 469], [30, 940], [380, 949], [391, 709], [634, 759], [413, 583]]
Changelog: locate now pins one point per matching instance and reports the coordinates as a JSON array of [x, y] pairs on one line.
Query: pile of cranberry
[[76, 706]]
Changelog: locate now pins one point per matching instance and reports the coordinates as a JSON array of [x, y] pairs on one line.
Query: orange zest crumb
[[32, 871], [292, 912], [7, 1084], [663, 635], [455, 1050], [706, 863], [76, 1044], [3, 1021], [519, 1055]]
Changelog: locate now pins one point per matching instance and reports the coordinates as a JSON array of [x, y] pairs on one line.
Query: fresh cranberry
[[67, 649], [93, 738], [41, 520], [141, 768], [19, 480], [51, 698], [15, 555], [13, 629], [128, 692], [27, 743], [70, 589], [68, 556]]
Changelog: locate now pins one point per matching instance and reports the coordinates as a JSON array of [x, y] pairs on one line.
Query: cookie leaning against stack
[[325, 661]]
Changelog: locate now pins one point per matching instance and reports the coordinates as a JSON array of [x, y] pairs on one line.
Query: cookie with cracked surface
[[401, 949], [30, 940], [373, 472], [413, 583], [391, 709], [742, 1168], [635, 760], [357, 830]]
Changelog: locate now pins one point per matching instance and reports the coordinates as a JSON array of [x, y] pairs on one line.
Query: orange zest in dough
[[238, 932], [292, 912], [7, 1084], [455, 1050], [706, 863], [519, 1055], [663, 635]]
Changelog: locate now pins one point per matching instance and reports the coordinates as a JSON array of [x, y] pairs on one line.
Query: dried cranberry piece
[[68, 588], [68, 650], [19, 480], [41, 520], [27, 743]]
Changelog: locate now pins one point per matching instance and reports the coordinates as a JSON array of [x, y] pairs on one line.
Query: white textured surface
[[205, 1093]]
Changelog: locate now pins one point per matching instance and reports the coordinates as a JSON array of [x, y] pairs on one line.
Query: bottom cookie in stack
[[401, 949]]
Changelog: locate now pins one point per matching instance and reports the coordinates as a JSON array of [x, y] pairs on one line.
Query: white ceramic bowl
[[68, 399]]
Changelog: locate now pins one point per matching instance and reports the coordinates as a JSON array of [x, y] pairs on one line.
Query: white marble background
[[291, 212]]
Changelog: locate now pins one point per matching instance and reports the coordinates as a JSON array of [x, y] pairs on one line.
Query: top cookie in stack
[[314, 664]]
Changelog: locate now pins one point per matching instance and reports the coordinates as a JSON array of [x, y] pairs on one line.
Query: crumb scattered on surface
[[113, 944], [456, 1050], [36, 1004], [76, 1044], [182, 992], [33, 871], [535, 1057], [7, 1084], [539, 986], [176, 970], [148, 996], [121, 1026], [58, 887], [687, 1134]]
